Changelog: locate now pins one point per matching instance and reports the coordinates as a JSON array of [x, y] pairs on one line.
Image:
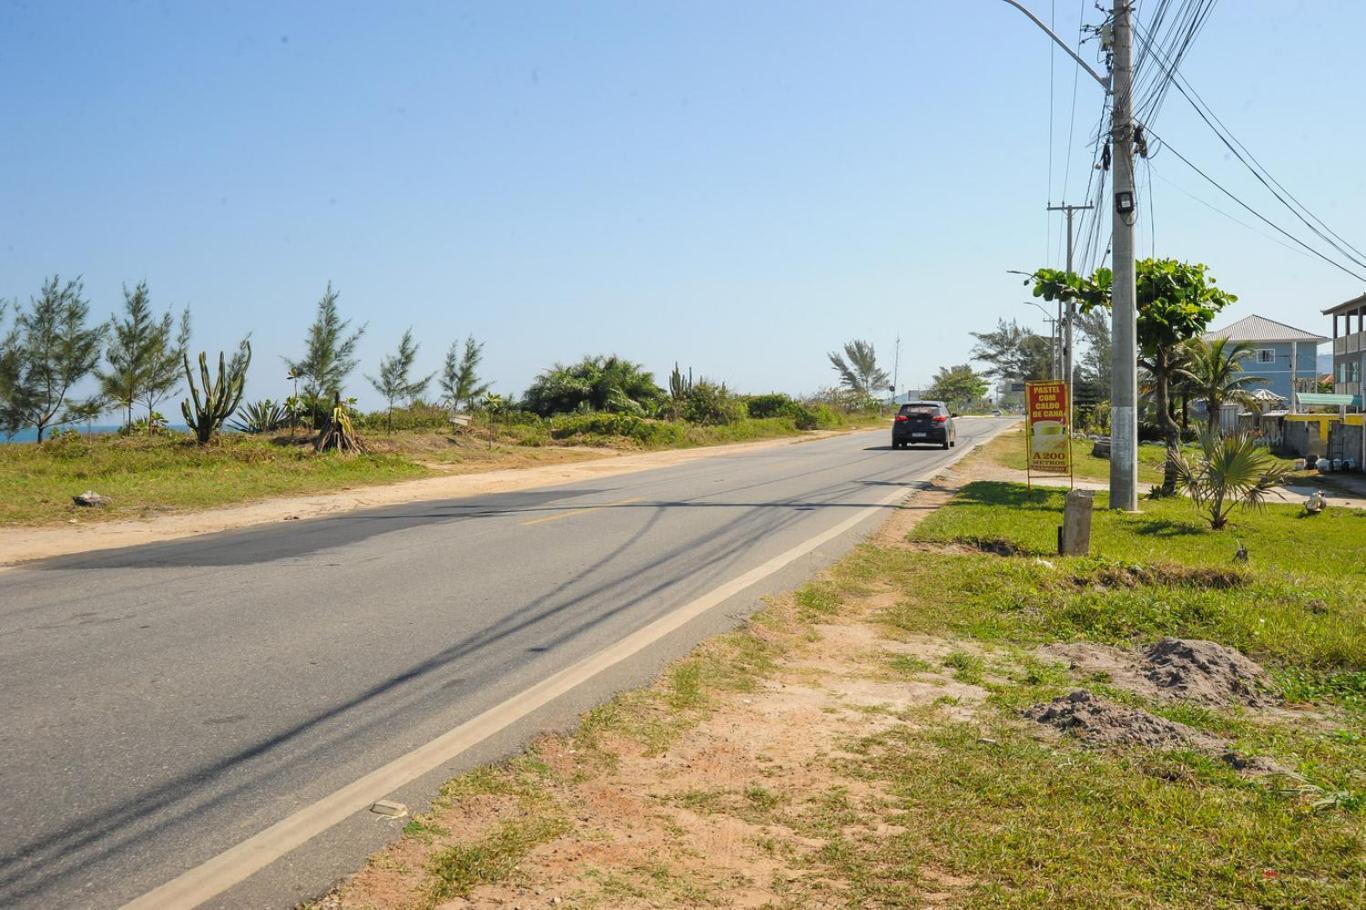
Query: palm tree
[[1213, 371], [595, 384], [1233, 471]]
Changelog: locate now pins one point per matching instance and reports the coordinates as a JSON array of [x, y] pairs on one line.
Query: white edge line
[[216, 875]]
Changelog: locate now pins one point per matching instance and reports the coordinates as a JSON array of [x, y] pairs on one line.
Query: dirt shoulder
[[851, 747], [21, 544]]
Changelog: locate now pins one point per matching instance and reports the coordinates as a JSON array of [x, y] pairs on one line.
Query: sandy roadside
[[716, 812], [19, 545]]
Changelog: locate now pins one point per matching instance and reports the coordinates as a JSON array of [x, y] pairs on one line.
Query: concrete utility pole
[[1069, 211], [1124, 308], [1069, 366]]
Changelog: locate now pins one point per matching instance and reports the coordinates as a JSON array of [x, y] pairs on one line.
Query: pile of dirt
[[1190, 669], [1170, 575], [1096, 720], [1206, 672]]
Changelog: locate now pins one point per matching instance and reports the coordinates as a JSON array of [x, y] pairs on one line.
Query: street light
[[1053, 335]]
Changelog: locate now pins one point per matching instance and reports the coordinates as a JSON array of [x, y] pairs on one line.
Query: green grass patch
[[1297, 603], [461, 868], [144, 476], [1026, 824], [1009, 451]]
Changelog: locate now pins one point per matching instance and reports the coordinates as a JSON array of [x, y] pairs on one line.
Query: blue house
[[1349, 348], [1286, 357]]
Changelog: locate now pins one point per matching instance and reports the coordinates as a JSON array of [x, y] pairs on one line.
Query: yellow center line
[[572, 512]]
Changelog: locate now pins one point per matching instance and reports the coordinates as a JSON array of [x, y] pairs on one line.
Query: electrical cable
[[1259, 215], [1263, 176], [1214, 208]]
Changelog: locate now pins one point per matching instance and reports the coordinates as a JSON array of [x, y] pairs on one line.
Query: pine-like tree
[[460, 381], [393, 382], [48, 352], [329, 354], [143, 355]]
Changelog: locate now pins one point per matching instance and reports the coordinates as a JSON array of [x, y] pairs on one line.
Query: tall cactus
[[221, 398], [679, 387]]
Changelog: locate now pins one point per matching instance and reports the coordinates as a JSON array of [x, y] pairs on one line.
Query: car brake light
[[939, 418], [902, 418]]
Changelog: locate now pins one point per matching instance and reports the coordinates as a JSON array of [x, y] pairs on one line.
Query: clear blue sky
[[738, 187]]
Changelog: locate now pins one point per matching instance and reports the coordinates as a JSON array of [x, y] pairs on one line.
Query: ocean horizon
[[30, 434]]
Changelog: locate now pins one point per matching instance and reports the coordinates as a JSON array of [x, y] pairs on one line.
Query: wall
[[1278, 374]]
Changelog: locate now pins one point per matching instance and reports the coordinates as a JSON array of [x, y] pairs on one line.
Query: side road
[[23, 544], [952, 716]]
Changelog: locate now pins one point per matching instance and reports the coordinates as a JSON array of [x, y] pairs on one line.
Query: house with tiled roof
[[1284, 356]]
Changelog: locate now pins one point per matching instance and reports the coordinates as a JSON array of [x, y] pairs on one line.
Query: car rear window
[[925, 410]]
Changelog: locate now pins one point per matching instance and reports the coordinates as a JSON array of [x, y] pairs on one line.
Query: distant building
[[1349, 348], [1284, 356]]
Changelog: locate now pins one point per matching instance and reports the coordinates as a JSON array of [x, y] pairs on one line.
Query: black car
[[923, 423]]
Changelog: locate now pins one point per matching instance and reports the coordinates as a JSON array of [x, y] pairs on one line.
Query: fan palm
[[1233, 471], [1213, 371]]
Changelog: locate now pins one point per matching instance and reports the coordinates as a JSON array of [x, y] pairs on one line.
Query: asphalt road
[[163, 703]]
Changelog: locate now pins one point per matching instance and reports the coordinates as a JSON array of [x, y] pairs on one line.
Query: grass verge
[[859, 743], [146, 476]]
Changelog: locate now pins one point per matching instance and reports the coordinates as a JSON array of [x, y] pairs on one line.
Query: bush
[[604, 426], [774, 404], [819, 416], [419, 416], [709, 404]]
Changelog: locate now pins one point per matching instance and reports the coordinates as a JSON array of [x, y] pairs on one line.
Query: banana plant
[[205, 416]]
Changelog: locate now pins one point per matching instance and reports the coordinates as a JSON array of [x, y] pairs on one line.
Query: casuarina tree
[[1013, 352], [461, 384], [858, 369], [144, 354], [394, 381], [1176, 301], [47, 353], [959, 385], [329, 353]]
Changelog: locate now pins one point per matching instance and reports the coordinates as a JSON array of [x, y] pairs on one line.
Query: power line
[[1052, 137], [1259, 215], [1214, 208], [1263, 176]]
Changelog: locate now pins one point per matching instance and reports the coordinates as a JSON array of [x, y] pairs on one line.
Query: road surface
[[167, 702]]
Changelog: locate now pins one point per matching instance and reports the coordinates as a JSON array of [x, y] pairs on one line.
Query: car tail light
[[902, 418], [939, 418]]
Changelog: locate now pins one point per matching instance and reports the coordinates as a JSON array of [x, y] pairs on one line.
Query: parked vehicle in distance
[[923, 423]]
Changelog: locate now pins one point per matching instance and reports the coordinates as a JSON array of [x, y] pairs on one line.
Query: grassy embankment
[[954, 801], [1008, 450], [146, 476]]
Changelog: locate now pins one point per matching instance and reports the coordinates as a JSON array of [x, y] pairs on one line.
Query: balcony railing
[[1350, 344]]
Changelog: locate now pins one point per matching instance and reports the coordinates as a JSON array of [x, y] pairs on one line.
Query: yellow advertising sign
[[1050, 442]]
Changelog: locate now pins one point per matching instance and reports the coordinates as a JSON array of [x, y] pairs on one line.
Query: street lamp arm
[[1101, 80]]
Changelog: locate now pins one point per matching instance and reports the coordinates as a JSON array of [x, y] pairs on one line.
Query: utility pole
[[896, 367], [1069, 368], [1069, 211], [1124, 309]]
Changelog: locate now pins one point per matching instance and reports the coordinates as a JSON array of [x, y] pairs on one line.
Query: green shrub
[[604, 426], [710, 404], [419, 416], [774, 404]]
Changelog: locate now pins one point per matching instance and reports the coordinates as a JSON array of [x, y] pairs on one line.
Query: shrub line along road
[[167, 703]]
